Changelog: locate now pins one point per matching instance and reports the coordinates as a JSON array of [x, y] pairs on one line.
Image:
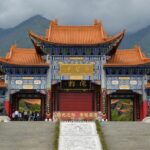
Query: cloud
[[116, 15]]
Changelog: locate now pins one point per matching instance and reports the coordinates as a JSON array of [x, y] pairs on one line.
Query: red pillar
[[101, 99], [144, 109], [108, 107], [104, 100], [49, 113], [7, 107]]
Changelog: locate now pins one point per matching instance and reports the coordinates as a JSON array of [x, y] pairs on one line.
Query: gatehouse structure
[[77, 69]]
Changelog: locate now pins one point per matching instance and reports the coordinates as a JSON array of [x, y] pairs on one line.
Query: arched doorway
[[30, 101], [123, 105]]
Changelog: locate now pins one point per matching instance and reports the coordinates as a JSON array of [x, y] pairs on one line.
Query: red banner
[[77, 115]]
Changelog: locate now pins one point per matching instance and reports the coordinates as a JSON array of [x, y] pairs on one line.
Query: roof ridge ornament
[[10, 53], [138, 48], [54, 22]]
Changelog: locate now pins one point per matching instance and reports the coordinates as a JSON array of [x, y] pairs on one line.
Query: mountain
[[1, 30], [19, 34], [141, 38]]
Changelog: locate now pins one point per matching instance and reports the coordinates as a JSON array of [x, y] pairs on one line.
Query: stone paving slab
[[26, 135], [78, 128], [79, 143], [127, 135], [79, 136]]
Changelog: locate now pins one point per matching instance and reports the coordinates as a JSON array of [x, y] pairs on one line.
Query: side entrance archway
[[30, 101], [123, 105]]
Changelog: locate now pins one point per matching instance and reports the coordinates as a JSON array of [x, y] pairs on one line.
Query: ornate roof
[[128, 57], [23, 57], [76, 35]]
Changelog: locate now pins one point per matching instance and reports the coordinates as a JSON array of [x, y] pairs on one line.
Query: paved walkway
[[127, 135], [26, 135], [78, 136]]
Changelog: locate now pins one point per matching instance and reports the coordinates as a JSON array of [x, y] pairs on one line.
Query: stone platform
[[127, 135], [26, 135]]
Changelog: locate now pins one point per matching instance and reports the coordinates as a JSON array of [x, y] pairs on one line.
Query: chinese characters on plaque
[[75, 84], [76, 69]]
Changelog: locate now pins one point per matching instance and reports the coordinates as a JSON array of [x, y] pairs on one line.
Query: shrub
[[101, 135], [56, 136]]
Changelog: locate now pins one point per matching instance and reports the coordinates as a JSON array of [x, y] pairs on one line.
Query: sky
[[116, 15]]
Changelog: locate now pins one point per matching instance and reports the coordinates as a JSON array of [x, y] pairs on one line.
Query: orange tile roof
[[23, 56], [2, 83], [128, 57], [75, 35]]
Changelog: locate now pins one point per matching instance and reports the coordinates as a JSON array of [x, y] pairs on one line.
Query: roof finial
[[136, 46], [9, 54], [14, 46], [97, 22]]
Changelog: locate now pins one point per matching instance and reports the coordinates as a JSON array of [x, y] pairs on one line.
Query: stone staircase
[[79, 136]]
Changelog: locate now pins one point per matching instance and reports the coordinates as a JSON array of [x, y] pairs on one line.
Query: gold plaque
[[28, 78], [115, 82], [124, 87], [37, 81], [19, 82], [28, 86], [76, 77], [76, 58], [124, 78], [133, 82], [76, 69]]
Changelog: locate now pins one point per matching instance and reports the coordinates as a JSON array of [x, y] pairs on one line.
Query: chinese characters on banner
[[75, 115]]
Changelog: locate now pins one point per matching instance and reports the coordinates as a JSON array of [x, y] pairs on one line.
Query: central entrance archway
[[30, 101], [76, 95]]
